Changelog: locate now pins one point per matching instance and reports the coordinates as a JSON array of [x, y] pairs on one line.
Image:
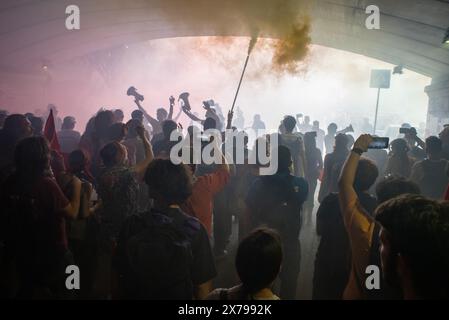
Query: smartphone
[[379, 143]]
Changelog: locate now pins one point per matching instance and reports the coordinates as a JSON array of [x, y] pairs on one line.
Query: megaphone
[[133, 92], [346, 130], [185, 99]]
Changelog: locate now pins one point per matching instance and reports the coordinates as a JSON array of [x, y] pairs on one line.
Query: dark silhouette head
[[258, 260]]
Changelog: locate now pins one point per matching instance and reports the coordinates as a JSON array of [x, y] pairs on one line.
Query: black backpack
[[279, 207], [156, 257]]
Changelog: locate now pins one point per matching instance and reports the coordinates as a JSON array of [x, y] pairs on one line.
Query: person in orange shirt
[[205, 187], [363, 230]]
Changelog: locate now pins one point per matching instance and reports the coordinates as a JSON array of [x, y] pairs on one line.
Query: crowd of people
[[139, 226]]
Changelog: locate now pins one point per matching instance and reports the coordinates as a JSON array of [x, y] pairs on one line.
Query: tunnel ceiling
[[33, 32]]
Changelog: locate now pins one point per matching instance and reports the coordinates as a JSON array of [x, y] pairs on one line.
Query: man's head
[[414, 247], [332, 128], [103, 120], [18, 127], [168, 126], [310, 141], [68, 123], [114, 154], [138, 115], [161, 114], [316, 124], [132, 125], [78, 161], [392, 187], [32, 156], [37, 124], [118, 115], [399, 146], [434, 146], [257, 117], [289, 123], [341, 142], [258, 260], [168, 183], [365, 175], [117, 132], [307, 120]]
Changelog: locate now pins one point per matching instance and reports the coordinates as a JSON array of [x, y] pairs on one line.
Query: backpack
[[280, 208], [435, 179], [157, 258], [294, 145]]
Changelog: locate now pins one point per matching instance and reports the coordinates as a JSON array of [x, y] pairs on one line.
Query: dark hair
[[68, 123], [118, 113], [168, 182], [77, 161], [418, 230], [132, 125], [137, 114], [110, 152], [103, 121], [289, 123], [365, 175], [399, 145], [258, 259], [392, 187], [284, 158], [309, 141], [434, 145], [209, 123], [168, 126], [162, 112], [32, 156], [117, 132], [332, 127], [15, 125], [37, 124], [341, 142]]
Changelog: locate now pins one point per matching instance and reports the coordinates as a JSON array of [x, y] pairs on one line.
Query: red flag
[[50, 133]]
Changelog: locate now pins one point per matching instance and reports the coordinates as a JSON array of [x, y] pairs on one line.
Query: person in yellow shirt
[[411, 249]]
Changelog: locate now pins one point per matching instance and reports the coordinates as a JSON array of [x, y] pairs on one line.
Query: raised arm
[[172, 103], [153, 122], [346, 192], [141, 167], [192, 116]]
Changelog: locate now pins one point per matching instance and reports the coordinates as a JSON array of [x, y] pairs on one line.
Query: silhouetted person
[[276, 201], [296, 145], [399, 163], [432, 173], [35, 211], [118, 116], [16, 128], [164, 254], [319, 135], [332, 166], [329, 139], [333, 257], [258, 262], [314, 165], [69, 139]]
